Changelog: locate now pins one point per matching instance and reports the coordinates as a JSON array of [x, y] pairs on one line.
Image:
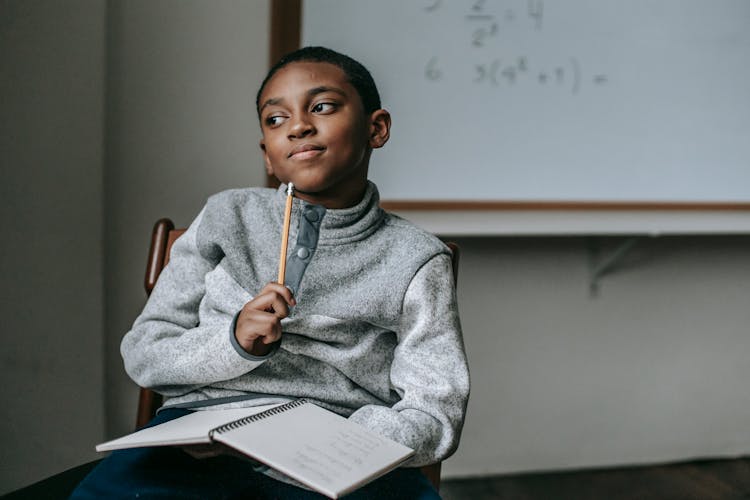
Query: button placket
[[304, 248]]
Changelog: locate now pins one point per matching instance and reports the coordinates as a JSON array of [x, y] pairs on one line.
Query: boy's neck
[[335, 201]]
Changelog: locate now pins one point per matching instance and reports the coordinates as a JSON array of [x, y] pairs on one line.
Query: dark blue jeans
[[169, 472]]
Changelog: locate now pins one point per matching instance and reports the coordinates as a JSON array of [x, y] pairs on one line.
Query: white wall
[[652, 369], [51, 157]]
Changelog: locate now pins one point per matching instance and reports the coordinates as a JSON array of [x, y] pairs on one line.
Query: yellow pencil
[[285, 232]]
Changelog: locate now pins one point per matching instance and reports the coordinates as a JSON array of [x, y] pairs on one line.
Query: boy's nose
[[301, 127]]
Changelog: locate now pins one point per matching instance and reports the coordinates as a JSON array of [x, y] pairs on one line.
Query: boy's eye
[[274, 120], [323, 107]]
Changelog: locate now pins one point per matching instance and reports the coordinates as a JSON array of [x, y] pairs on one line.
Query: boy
[[366, 325]]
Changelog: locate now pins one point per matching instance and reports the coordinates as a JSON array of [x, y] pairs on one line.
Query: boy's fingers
[[254, 324], [259, 320], [263, 322], [283, 291], [272, 337], [270, 302]]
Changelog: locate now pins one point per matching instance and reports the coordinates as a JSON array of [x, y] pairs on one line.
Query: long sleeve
[[168, 348], [429, 370]]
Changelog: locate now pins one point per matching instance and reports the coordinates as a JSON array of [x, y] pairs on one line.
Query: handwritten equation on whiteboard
[[486, 21]]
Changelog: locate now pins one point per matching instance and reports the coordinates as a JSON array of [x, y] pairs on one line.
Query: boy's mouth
[[305, 151]]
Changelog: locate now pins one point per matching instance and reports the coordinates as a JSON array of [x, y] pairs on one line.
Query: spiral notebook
[[320, 449]]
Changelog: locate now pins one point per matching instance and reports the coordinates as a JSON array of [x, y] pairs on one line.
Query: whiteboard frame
[[534, 218]]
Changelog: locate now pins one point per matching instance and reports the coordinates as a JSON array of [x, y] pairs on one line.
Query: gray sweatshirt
[[375, 334]]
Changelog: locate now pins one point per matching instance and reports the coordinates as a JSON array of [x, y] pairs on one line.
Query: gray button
[[311, 215], [303, 253]]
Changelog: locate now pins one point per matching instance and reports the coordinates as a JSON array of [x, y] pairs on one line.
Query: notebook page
[[193, 428], [318, 448]]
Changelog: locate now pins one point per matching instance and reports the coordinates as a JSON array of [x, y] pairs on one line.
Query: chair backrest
[[163, 236]]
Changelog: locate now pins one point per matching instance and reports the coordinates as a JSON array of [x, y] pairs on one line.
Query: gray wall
[[178, 86], [652, 369], [51, 158], [182, 77]]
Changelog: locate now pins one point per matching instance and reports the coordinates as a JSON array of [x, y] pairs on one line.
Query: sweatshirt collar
[[343, 225]]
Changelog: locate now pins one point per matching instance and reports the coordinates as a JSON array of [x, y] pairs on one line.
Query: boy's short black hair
[[355, 72]]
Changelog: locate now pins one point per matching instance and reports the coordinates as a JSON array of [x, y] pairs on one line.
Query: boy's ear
[[380, 128], [266, 160]]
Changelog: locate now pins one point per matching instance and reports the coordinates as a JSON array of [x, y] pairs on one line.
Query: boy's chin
[[308, 186], [304, 189], [299, 187]]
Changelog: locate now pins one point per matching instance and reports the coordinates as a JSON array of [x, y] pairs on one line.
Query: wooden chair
[[163, 236]]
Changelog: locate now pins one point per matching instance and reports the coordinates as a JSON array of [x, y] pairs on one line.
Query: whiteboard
[[566, 100]]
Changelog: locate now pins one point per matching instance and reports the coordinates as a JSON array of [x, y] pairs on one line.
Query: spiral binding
[[236, 424]]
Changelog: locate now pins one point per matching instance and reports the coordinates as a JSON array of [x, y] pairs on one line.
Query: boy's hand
[[259, 323]]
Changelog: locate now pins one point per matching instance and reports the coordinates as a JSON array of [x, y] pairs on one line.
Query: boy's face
[[317, 135]]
